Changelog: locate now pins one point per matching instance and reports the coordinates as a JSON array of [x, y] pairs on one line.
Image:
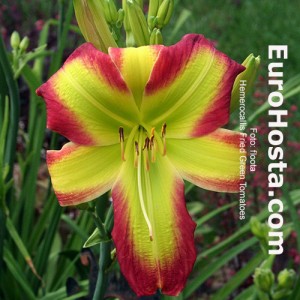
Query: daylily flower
[[140, 120]]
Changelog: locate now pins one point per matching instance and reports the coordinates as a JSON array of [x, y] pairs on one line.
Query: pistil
[[142, 188]]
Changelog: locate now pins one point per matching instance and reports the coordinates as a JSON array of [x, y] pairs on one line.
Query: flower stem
[[104, 263], [105, 255]]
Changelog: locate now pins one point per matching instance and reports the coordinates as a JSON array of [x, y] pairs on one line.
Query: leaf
[[18, 274], [239, 278], [15, 236], [95, 238], [213, 213], [211, 268]]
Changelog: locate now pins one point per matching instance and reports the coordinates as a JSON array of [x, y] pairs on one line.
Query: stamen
[[121, 134], [146, 155], [141, 196], [146, 144], [163, 135], [136, 154], [153, 146]]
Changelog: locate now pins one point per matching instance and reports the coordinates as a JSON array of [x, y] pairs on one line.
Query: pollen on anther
[[163, 135], [121, 135]]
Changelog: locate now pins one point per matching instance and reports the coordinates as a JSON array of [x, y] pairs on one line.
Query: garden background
[[41, 244]]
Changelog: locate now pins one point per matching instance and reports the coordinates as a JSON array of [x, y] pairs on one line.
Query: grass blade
[[18, 274], [239, 277], [216, 265]]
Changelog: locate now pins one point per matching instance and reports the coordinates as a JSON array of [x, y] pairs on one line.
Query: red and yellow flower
[[139, 121]]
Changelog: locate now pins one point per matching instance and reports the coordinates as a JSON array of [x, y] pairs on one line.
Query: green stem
[[105, 255], [104, 263]]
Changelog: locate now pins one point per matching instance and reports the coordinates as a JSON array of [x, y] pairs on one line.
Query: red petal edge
[[145, 280]]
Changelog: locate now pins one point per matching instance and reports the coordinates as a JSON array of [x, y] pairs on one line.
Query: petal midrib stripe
[[188, 94], [94, 102]]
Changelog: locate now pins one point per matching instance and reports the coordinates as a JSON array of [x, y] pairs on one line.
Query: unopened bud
[[138, 23], [156, 37], [15, 40], [24, 44], [286, 278], [140, 3], [152, 11], [258, 229], [263, 279], [164, 13], [110, 11], [92, 23], [244, 81], [121, 15]]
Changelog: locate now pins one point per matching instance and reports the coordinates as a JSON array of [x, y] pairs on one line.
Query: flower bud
[[24, 44], [15, 40], [152, 11], [258, 229], [92, 23], [244, 81], [164, 13], [121, 15], [138, 23], [110, 11], [156, 37], [140, 3], [286, 278], [263, 279]]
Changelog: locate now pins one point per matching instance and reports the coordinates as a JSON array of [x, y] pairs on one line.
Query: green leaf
[[211, 268], [213, 213], [247, 294], [18, 274], [16, 238], [239, 278], [95, 238]]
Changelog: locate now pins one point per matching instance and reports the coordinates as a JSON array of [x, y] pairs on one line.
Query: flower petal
[[211, 162], [80, 174], [166, 261], [189, 88], [135, 65], [87, 99]]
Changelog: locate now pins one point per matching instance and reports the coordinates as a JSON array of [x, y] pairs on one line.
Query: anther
[[136, 153], [121, 134], [163, 135], [136, 144], [146, 144], [146, 156]]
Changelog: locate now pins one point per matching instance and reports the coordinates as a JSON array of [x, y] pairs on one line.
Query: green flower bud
[[141, 3], [15, 40], [152, 11], [258, 229], [244, 81], [152, 22], [164, 13], [24, 44], [286, 279], [156, 37], [110, 11], [263, 279], [121, 15], [130, 41], [138, 23], [92, 23]]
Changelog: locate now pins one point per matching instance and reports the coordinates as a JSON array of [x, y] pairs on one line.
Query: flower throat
[[146, 146]]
